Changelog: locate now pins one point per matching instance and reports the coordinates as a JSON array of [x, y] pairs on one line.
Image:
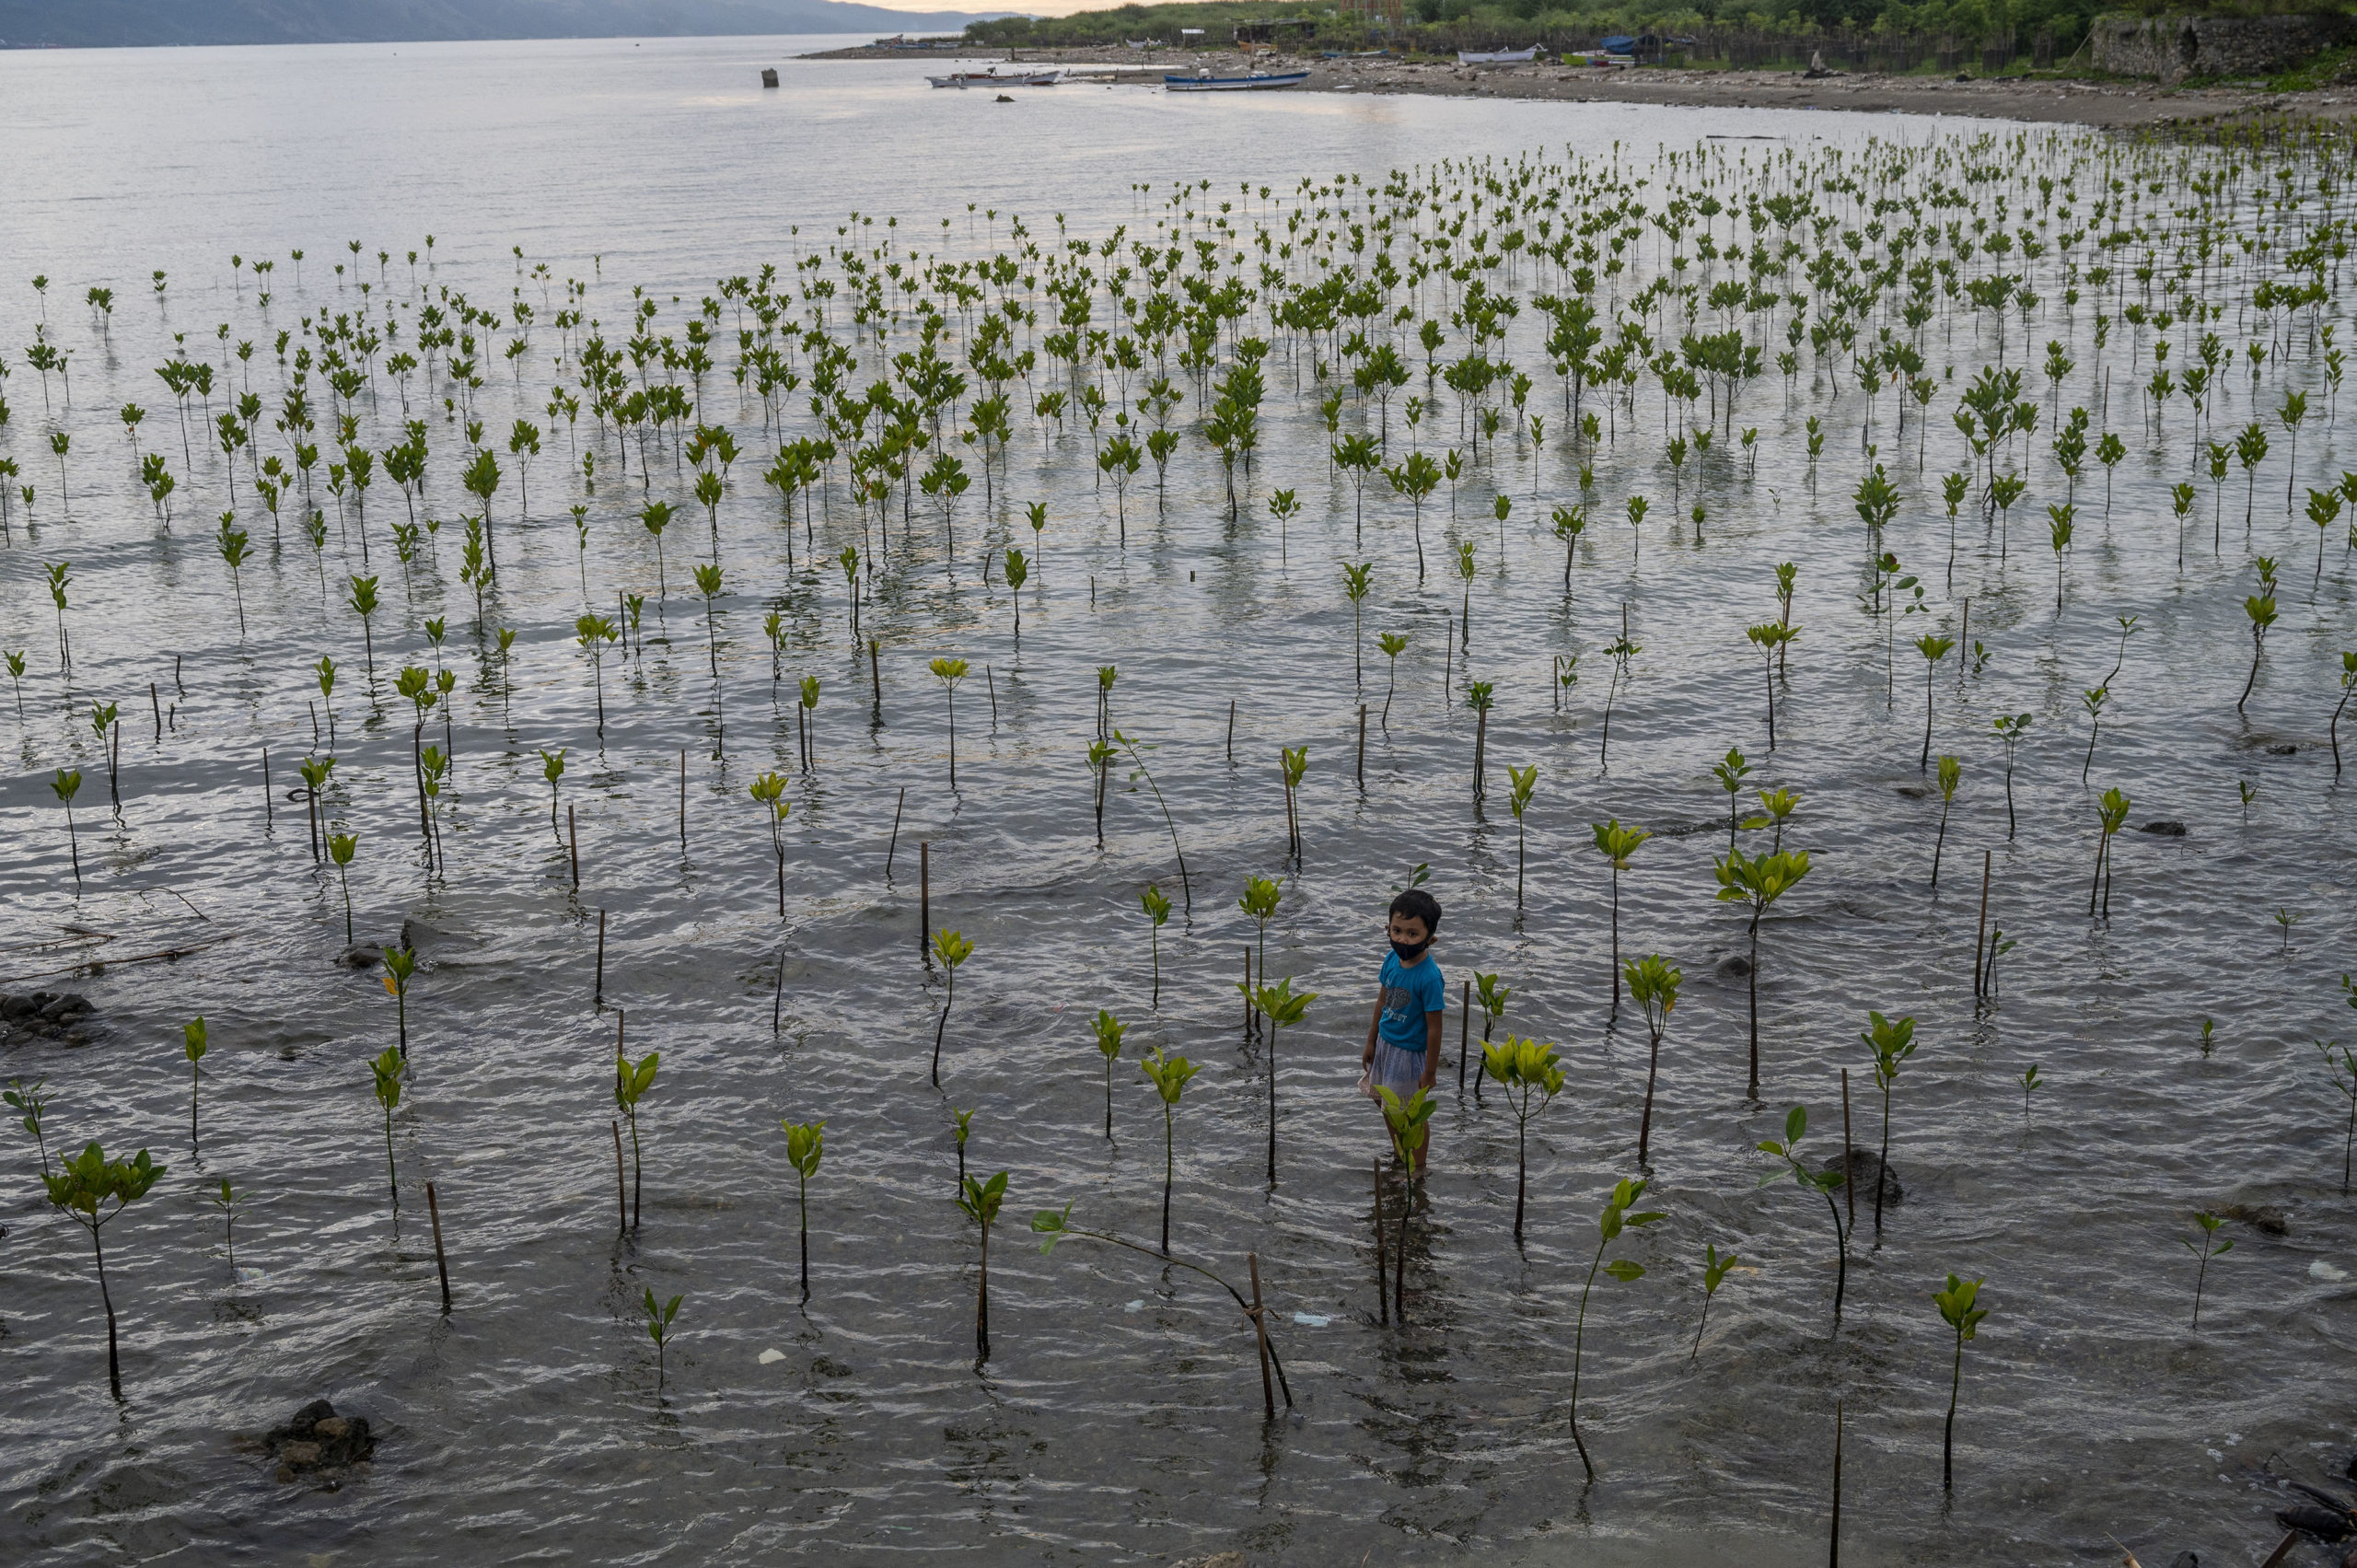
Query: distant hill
[[117, 23]]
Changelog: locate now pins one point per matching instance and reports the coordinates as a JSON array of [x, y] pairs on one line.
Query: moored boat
[[991, 79], [1258, 81]]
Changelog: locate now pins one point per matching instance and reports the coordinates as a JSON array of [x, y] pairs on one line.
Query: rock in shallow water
[[1864, 1167], [316, 1442]]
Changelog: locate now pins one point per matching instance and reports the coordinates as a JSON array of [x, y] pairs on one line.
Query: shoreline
[[2109, 104]]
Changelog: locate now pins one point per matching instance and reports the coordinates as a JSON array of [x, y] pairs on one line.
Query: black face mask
[[1410, 951]]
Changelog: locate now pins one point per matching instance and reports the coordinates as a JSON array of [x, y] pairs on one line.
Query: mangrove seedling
[[805, 1145], [1262, 896], [1408, 1123], [194, 1039], [1758, 881], [30, 1102], [387, 1069], [1056, 1226], [1282, 1005], [1714, 1272], [952, 948], [1653, 986], [2260, 608], [769, 792], [340, 848], [67, 786], [1168, 1075], [1933, 650], [1018, 571], [1186, 887], [962, 1129], [980, 1199], [1158, 910], [1617, 843], [2031, 1083], [1491, 997], [1892, 1042], [2112, 810], [226, 1200], [631, 1082], [400, 964], [1526, 782], [1956, 1308], [1769, 638], [552, 769], [949, 671], [1356, 581], [1731, 774], [1951, 772], [2009, 728], [1823, 1182], [1110, 1030], [1611, 1223], [1394, 644], [2209, 1248], [1293, 763], [83, 1187], [2348, 687], [1524, 1069], [659, 1319]]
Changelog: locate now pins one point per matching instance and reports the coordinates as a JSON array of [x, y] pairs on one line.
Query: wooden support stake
[[875, 677], [683, 800], [441, 1260], [1231, 730], [1260, 1337], [1833, 1546], [924, 894], [1980, 936], [572, 839], [1362, 746], [1464, 1026], [600, 994], [892, 848], [1382, 1261], [1248, 991], [1849, 1152], [621, 1188], [269, 814], [777, 998], [156, 703]]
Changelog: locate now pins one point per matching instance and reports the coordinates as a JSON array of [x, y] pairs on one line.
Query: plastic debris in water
[[2320, 1270], [1311, 1319], [769, 1355]]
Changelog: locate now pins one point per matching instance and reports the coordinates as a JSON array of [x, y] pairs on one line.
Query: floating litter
[[1311, 1319], [1134, 1307], [2320, 1270], [771, 1355]]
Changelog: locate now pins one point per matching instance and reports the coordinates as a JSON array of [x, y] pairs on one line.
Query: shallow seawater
[[1117, 1418]]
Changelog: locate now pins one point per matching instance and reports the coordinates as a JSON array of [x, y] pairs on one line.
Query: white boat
[[991, 79], [1258, 81], [1497, 56]]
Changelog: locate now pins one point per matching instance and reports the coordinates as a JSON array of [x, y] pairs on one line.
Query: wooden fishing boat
[[1258, 81], [991, 79], [1497, 56]]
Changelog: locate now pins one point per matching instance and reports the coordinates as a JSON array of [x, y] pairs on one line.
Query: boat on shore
[[993, 78], [1497, 56], [1257, 81]]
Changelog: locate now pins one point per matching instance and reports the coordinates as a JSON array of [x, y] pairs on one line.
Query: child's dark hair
[[1417, 904]]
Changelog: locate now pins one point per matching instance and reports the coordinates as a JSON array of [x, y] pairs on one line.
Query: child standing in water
[[1403, 1037]]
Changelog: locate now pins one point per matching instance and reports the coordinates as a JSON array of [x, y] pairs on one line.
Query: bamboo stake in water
[[875, 678], [1248, 991], [1833, 1545], [268, 813], [1464, 1026], [1361, 746], [155, 703], [600, 994], [777, 998], [1980, 936], [1260, 1337], [1849, 1154], [924, 895], [572, 839], [621, 1187], [683, 800], [892, 848], [441, 1260]]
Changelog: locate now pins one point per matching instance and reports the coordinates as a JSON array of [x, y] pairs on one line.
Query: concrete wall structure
[[2172, 48]]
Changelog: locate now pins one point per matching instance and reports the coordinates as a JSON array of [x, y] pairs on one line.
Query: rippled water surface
[[1117, 1418]]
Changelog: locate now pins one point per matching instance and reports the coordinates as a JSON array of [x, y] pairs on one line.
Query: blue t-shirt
[[1408, 995]]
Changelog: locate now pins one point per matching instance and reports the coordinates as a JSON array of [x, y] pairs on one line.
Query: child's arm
[[1432, 1047]]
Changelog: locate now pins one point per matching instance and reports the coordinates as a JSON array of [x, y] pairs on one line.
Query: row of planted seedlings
[[919, 402]]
